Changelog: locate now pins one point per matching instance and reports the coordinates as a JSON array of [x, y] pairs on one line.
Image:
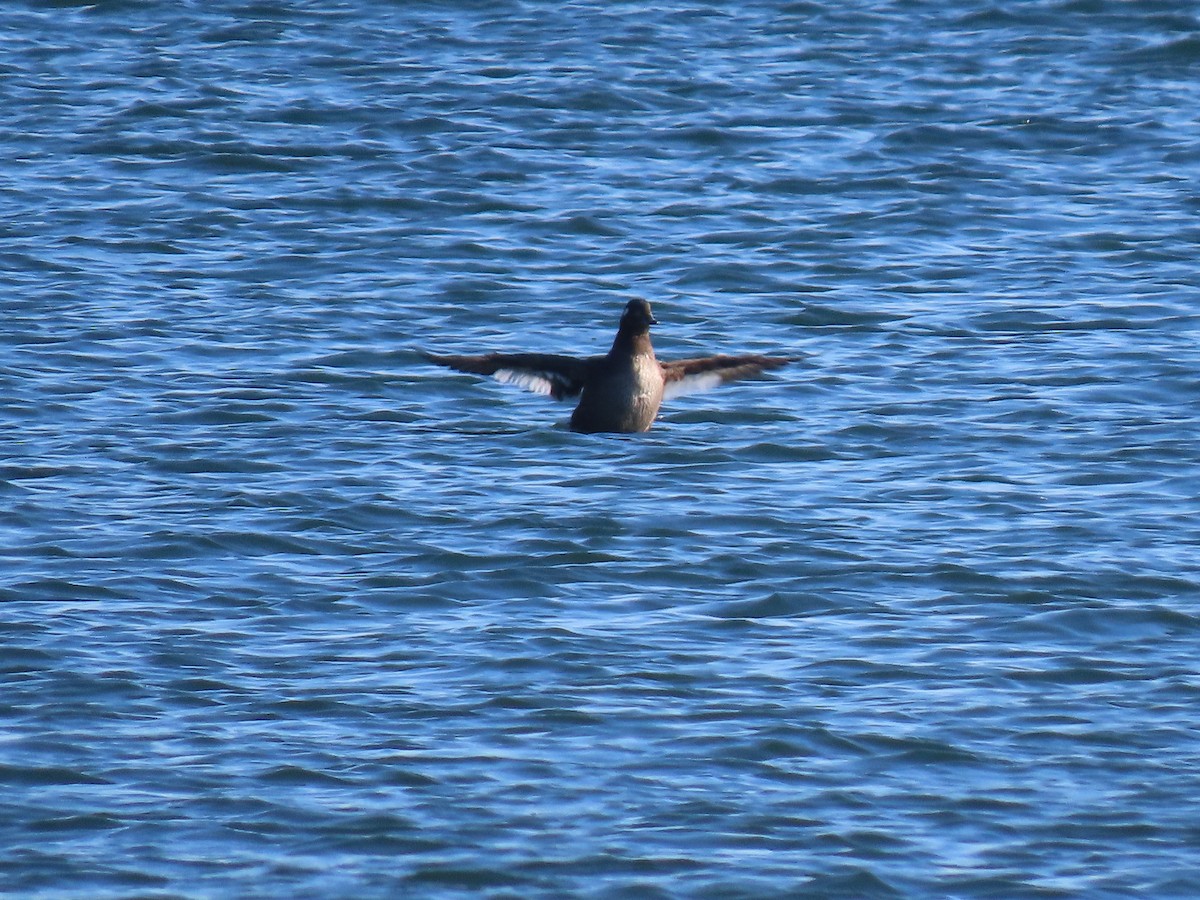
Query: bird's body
[[620, 391], [623, 390]]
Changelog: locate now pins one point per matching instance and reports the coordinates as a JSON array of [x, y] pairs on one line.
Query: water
[[288, 612]]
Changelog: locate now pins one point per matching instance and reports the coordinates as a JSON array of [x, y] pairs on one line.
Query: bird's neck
[[635, 342]]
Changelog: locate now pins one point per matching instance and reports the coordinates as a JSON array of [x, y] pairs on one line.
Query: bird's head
[[637, 317]]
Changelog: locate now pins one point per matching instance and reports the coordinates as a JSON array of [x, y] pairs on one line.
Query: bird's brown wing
[[682, 376], [559, 377]]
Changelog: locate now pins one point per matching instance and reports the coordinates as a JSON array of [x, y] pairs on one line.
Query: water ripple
[[284, 606]]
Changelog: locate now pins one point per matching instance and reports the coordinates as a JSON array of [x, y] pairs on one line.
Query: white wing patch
[[690, 384], [538, 382]]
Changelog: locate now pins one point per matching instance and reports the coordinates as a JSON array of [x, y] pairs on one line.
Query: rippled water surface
[[286, 611]]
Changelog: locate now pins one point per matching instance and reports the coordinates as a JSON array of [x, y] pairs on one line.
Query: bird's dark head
[[637, 317]]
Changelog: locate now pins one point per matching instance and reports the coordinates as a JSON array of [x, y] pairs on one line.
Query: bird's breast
[[622, 398]]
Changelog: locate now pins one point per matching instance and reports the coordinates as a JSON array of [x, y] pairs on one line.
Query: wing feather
[[684, 376], [543, 373]]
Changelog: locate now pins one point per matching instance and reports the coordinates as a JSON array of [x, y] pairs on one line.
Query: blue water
[[287, 612]]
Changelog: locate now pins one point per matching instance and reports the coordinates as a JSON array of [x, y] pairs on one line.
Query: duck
[[622, 391]]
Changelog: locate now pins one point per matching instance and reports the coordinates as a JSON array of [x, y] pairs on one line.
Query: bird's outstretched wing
[[683, 376], [544, 373]]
